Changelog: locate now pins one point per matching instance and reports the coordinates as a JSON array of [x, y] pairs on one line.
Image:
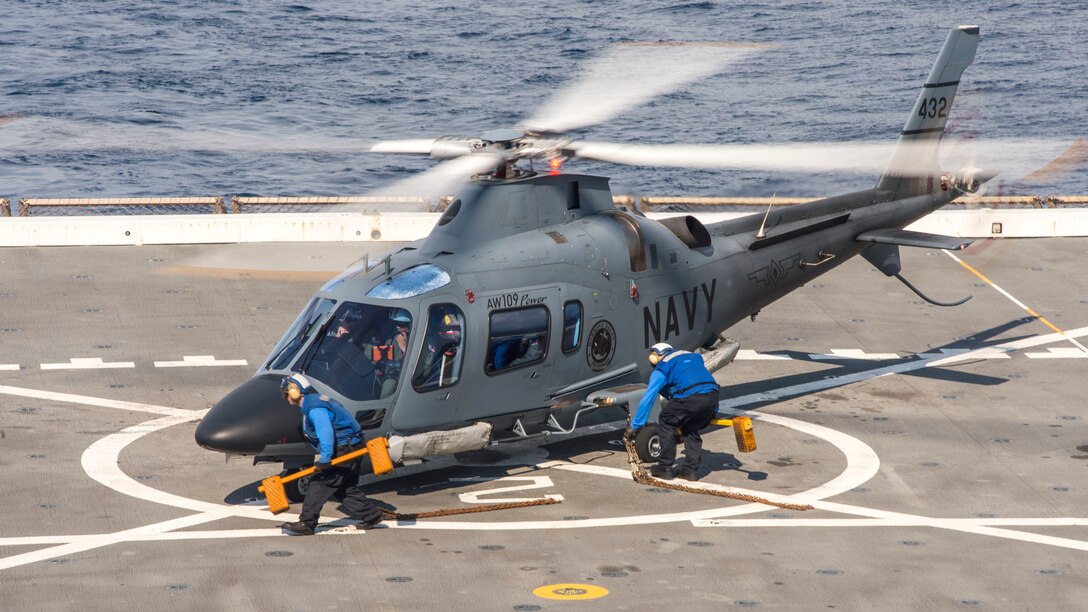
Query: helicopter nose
[[249, 418]]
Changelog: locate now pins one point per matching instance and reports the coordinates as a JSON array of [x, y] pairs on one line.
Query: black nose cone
[[249, 418]]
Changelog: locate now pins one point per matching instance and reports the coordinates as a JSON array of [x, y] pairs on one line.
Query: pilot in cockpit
[[389, 357], [348, 326]]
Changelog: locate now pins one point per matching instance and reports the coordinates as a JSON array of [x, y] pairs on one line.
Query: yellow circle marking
[[568, 592]]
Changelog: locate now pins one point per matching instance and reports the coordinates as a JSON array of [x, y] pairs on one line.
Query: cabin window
[[516, 338], [572, 326], [439, 363], [360, 351]]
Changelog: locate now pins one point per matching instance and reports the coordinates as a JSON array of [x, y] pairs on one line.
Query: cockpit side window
[[439, 363], [517, 337], [299, 333], [572, 326], [361, 351]]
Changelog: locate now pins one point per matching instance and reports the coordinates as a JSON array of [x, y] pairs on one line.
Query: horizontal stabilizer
[[914, 239]]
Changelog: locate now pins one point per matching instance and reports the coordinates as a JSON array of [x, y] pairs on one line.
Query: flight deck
[[943, 451]]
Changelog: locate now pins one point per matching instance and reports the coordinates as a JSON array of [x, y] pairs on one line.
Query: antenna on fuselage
[[761, 233]]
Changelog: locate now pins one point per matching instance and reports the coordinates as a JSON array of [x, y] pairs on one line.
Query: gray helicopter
[[534, 299]]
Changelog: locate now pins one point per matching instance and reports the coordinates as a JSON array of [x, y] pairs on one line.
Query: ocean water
[[201, 97]]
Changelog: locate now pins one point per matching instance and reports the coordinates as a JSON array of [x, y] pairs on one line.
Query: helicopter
[[534, 299]]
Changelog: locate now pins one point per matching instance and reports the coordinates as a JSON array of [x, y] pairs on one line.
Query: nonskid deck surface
[[942, 478]]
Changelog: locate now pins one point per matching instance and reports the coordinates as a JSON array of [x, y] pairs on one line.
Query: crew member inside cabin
[[439, 365], [332, 431], [348, 326], [692, 403], [389, 356]]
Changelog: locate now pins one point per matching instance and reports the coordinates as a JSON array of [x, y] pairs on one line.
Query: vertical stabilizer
[[914, 166]]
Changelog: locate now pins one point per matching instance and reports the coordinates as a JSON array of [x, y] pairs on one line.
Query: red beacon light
[[555, 164]]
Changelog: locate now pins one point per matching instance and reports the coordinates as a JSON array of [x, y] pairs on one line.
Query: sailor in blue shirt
[[692, 396], [330, 428]]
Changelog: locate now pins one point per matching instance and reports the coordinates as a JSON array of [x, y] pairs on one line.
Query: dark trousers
[[341, 480], [688, 416]]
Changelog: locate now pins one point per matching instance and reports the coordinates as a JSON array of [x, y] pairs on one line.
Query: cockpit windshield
[[361, 351], [299, 333]]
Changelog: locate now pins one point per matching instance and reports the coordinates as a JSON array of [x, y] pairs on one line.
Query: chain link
[[411, 516], [639, 474]]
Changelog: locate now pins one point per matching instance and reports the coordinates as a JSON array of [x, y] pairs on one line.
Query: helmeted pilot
[[347, 327], [692, 396], [332, 431], [389, 356]]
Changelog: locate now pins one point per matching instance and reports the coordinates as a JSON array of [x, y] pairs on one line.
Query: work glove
[[629, 434], [318, 467]]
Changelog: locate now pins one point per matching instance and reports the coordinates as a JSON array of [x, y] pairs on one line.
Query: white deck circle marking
[[101, 462]]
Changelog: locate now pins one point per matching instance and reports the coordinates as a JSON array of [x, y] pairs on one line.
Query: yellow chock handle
[[272, 487], [379, 456], [742, 429]]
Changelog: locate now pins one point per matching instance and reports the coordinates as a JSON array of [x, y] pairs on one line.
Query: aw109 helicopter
[[534, 299]]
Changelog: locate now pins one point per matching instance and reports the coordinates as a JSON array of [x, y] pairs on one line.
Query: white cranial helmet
[[658, 351]]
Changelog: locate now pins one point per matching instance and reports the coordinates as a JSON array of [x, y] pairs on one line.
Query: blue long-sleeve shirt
[[679, 374], [653, 389], [327, 425]]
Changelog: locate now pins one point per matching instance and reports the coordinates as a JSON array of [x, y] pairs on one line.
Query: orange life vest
[[382, 352]]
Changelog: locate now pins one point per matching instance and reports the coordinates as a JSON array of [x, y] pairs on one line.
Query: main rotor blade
[[799, 157], [631, 74], [416, 146], [39, 134], [445, 178], [438, 148], [1016, 157]]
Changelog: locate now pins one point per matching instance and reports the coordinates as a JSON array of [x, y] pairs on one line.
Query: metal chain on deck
[[411, 516], [639, 474]]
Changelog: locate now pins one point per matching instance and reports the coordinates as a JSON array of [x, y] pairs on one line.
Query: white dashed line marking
[[994, 352], [1059, 353], [88, 363], [855, 354], [197, 361]]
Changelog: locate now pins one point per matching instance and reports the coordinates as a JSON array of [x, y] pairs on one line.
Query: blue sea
[[200, 97]]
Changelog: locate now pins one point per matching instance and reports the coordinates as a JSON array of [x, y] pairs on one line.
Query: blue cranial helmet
[[400, 315]]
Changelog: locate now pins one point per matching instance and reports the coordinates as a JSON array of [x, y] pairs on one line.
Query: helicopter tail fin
[[914, 163]]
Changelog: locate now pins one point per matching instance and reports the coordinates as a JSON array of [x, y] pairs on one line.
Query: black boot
[[688, 474], [298, 528], [663, 472], [371, 524]]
